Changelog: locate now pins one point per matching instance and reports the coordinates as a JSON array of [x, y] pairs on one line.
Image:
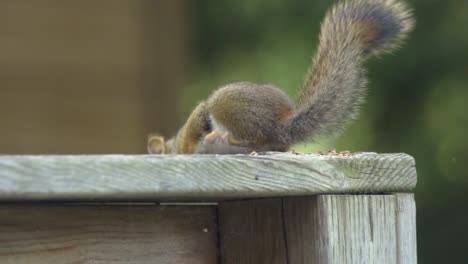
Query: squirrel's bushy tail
[[336, 83]]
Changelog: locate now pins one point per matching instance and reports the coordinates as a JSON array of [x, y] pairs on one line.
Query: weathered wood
[[107, 234], [302, 224], [351, 229], [251, 232], [200, 177], [406, 228]]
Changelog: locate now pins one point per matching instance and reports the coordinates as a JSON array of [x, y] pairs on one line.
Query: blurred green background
[[97, 76]]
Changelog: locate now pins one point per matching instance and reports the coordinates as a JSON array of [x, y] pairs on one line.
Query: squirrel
[[243, 117]]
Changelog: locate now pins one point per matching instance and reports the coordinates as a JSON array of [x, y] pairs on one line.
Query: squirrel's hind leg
[[253, 114], [222, 142], [223, 137]]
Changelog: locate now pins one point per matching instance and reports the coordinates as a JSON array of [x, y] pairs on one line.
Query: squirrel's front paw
[[156, 144]]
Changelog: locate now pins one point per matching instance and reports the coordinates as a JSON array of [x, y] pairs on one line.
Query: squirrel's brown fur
[[242, 117]]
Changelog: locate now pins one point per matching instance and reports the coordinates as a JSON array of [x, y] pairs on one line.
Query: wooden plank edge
[[200, 177]]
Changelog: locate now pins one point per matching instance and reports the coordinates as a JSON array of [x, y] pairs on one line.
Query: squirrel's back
[[336, 82]]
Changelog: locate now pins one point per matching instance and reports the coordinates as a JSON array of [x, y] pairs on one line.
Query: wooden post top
[[200, 177]]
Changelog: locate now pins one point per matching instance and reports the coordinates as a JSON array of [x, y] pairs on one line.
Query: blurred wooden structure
[[273, 208], [89, 76]]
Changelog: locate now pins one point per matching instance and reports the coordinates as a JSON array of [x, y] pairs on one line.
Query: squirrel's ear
[[156, 144]]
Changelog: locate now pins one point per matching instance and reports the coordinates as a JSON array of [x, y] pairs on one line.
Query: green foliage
[[417, 98]]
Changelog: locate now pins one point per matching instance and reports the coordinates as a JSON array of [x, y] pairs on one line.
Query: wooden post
[[272, 208]]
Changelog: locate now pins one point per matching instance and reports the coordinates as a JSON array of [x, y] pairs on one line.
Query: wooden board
[[406, 228], [251, 232], [325, 229], [357, 229], [200, 177], [107, 234]]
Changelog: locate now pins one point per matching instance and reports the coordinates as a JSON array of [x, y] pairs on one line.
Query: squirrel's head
[[157, 145]]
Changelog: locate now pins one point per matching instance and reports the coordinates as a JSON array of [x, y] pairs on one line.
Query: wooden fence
[[272, 208]]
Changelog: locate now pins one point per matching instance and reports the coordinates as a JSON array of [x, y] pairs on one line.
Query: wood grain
[[406, 228], [351, 229], [107, 234], [251, 232], [200, 177], [302, 227]]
